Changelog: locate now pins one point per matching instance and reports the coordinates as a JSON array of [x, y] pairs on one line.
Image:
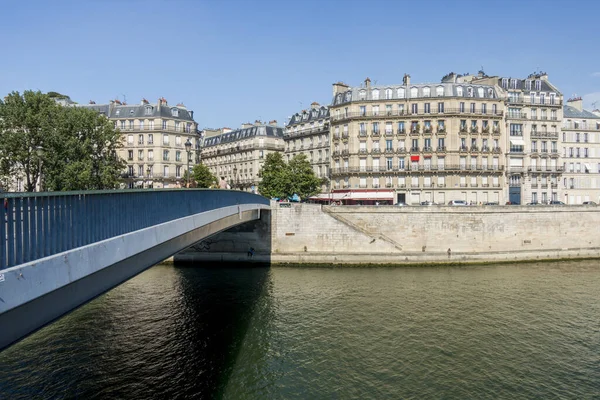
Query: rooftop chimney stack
[[406, 80], [339, 87], [368, 83], [576, 102]]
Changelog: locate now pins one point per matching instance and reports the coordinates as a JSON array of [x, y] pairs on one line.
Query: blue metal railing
[[37, 225]]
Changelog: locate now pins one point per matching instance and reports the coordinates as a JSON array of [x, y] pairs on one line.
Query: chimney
[[339, 87], [544, 76], [273, 123], [247, 125], [92, 102], [181, 105], [596, 112], [314, 105], [406, 80], [144, 102], [257, 122], [191, 114], [368, 83], [576, 102]]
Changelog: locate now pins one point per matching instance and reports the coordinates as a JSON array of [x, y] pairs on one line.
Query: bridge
[[62, 249]]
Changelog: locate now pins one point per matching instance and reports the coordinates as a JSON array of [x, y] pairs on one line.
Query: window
[[175, 112], [141, 124], [401, 163], [538, 84], [440, 107], [178, 171], [513, 83], [470, 92], [459, 91], [362, 110], [415, 108], [461, 107], [129, 139], [122, 124], [439, 91], [413, 92], [150, 155], [164, 124], [401, 93], [388, 145], [375, 110], [528, 84], [388, 109], [480, 92], [441, 144], [140, 154], [505, 83], [148, 110], [150, 139], [388, 93], [166, 171], [472, 108], [178, 155], [165, 155], [130, 155], [177, 124], [516, 130], [131, 124], [427, 108], [362, 95], [484, 108], [140, 139], [426, 91], [388, 128], [165, 139], [151, 127]]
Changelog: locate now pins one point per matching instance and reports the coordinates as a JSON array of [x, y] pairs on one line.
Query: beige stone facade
[[307, 133], [154, 137], [533, 119], [418, 142], [581, 154], [236, 156]]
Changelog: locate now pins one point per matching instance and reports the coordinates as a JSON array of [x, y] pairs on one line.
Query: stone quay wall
[[387, 235]]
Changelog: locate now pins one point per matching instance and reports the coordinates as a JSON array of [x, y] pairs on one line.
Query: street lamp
[[148, 175], [235, 176], [40, 153], [188, 148]]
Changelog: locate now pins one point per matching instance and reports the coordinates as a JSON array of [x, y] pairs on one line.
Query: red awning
[[414, 158]]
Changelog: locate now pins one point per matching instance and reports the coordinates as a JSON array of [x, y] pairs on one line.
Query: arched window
[[362, 95], [480, 92], [439, 91], [388, 94], [175, 112], [401, 93], [414, 92], [426, 91], [375, 94], [459, 91]]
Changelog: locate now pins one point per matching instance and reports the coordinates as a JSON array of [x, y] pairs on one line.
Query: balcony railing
[[420, 113], [549, 135], [478, 168], [527, 100], [581, 127]]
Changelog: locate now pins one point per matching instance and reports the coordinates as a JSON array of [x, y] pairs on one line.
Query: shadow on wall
[[245, 244]]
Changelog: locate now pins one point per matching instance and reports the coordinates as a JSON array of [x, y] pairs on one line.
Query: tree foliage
[[282, 180], [203, 177], [79, 145]]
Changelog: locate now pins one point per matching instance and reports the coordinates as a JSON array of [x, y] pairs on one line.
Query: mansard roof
[[572, 112], [140, 111], [521, 85], [313, 114], [408, 92], [244, 133]]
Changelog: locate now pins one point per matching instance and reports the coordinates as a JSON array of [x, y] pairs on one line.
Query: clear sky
[[233, 61]]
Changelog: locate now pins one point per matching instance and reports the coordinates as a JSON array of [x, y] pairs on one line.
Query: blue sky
[[233, 61]]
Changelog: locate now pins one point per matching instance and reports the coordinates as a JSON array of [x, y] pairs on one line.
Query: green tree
[[275, 181], [79, 145], [26, 123], [84, 149], [202, 176], [303, 181]]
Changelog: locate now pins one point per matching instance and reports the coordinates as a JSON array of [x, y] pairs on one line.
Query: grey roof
[[115, 111], [313, 114], [414, 91], [244, 133], [521, 84], [572, 112]]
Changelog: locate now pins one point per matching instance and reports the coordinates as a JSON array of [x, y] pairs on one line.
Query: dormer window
[[470, 91], [538, 84], [375, 94], [505, 83], [480, 92], [426, 91], [401, 93], [339, 98], [131, 112], [528, 84], [439, 91], [118, 112], [148, 110], [388, 94], [175, 112], [348, 96], [414, 92], [459, 91], [362, 95], [491, 93], [513, 83]]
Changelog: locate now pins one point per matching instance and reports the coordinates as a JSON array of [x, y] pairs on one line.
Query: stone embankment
[[388, 235]]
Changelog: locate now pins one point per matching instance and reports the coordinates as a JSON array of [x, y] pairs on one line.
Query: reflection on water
[[525, 331]]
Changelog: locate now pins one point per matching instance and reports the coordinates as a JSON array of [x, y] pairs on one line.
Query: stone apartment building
[[154, 137], [307, 132], [580, 153], [237, 156], [534, 113], [418, 142]]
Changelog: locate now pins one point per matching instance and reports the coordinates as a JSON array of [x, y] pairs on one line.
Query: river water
[[528, 331]]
